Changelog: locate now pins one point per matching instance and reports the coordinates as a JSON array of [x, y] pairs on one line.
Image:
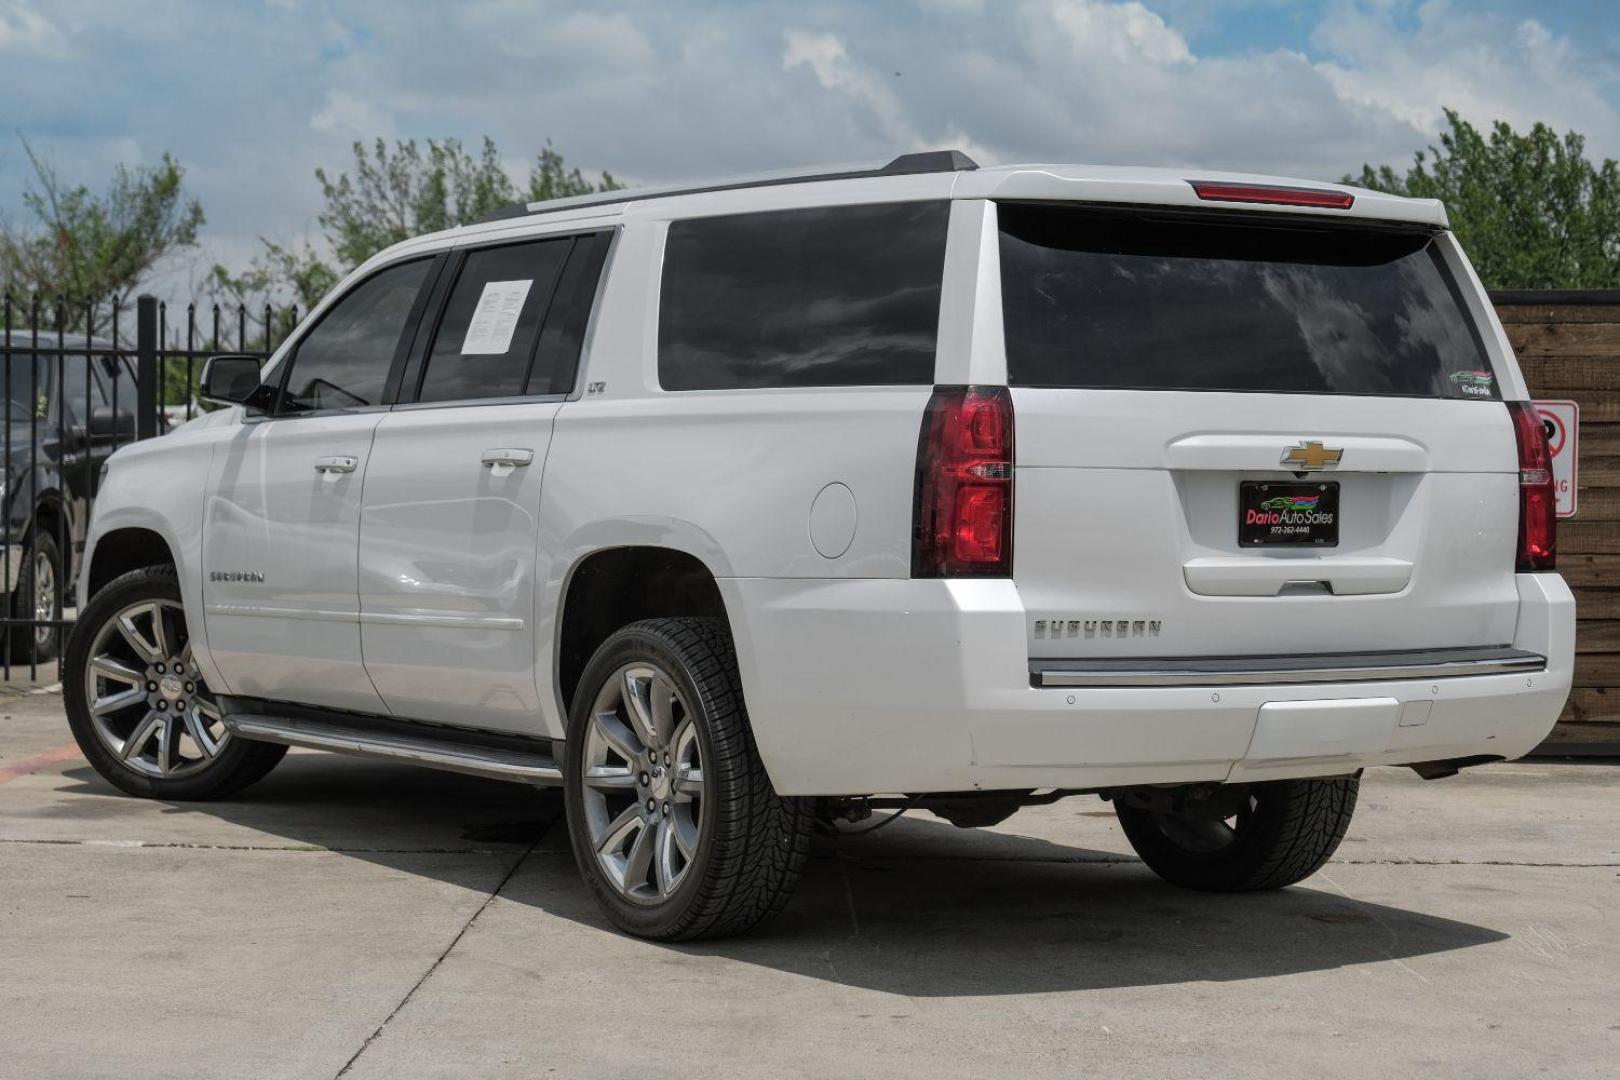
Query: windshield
[[1142, 300]]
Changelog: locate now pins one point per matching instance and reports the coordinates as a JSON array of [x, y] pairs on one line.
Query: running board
[[1268, 670], [488, 754]]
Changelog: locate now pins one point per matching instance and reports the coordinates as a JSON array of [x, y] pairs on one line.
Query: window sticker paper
[[495, 318]]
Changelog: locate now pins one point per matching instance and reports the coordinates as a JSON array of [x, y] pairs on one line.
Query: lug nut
[[651, 806], [190, 688], [151, 688], [162, 705], [652, 756], [666, 758], [666, 809], [159, 668], [644, 780]]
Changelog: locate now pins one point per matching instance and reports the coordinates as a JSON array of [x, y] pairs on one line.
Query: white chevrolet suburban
[[741, 509]]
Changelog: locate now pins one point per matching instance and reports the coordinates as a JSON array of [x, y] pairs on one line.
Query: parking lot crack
[[1384, 924], [440, 959]]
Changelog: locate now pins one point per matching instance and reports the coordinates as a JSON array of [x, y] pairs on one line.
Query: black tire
[[752, 843], [1285, 833], [238, 762], [23, 643]]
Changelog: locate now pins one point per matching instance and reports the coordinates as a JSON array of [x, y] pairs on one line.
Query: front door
[[282, 514], [450, 517]]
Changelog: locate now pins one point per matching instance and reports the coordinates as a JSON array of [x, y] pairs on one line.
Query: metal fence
[[76, 391]]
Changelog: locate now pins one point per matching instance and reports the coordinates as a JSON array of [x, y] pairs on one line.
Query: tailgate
[[1243, 435], [1128, 525]]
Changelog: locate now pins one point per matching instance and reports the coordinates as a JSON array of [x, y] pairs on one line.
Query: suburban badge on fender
[[254, 576], [1311, 456]]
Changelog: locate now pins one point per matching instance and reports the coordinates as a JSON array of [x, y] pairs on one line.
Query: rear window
[[1118, 300], [831, 296], [488, 331]]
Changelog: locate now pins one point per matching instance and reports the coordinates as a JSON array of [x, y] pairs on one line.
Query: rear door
[[450, 517], [1247, 434]]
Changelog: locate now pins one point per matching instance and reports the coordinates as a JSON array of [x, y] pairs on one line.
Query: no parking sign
[[1562, 422]]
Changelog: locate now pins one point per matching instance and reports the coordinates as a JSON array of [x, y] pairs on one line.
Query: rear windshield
[[1121, 300]]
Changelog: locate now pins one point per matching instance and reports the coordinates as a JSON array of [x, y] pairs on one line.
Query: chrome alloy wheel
[[44, 598], [147, 700], [642, 783]]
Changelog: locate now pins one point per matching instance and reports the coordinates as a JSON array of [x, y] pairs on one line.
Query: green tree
[[289, 280], [395, 194], [96, 247], [392, 194], [551, 178], [1531, 210]]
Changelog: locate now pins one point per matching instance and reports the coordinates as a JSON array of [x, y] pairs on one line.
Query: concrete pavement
[[350, 919]]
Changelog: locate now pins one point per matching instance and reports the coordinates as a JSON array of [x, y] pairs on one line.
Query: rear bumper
[[877, 685]]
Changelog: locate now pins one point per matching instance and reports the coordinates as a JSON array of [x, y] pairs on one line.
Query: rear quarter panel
[[729, 477]]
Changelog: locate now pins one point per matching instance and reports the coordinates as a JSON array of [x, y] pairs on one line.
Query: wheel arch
[[608, 587], [51, 515], [121, 550]]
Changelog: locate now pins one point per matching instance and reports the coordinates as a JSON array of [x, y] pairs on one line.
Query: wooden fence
[[1568, 344]]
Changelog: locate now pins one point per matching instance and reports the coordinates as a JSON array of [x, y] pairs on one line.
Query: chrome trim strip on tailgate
[[1263, 670]]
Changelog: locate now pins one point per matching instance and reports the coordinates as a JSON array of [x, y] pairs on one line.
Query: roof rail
[[926, 161]]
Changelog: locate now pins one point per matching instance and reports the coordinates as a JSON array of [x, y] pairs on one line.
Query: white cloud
[[1098, 81], [825, 55], [688, 88], [1128, 33], [610, 38], [347, 114], [25, 30], [1410, 61]]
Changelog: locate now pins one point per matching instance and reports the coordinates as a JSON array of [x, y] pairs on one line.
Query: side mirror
[[103, 422], [229, 380]]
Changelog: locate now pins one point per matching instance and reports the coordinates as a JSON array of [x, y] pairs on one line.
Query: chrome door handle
[[337, 463], [513, 457]]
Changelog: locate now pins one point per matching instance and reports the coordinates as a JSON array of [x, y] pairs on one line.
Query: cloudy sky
[[252, 96]]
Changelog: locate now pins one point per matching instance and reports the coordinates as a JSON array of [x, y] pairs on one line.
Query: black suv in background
[[65, 414]]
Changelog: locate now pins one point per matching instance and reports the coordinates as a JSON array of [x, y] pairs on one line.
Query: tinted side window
[[27, 384], [121, 391], [77, 381], [830, 296], [110, 383], [343, 362], [558, 358], [486, 339]]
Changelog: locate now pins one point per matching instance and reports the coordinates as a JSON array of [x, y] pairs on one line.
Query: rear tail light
[[962, 524], [1274, 194], [1538, 504]]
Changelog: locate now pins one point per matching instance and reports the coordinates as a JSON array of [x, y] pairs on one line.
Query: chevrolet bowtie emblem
[[1311, 456]]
